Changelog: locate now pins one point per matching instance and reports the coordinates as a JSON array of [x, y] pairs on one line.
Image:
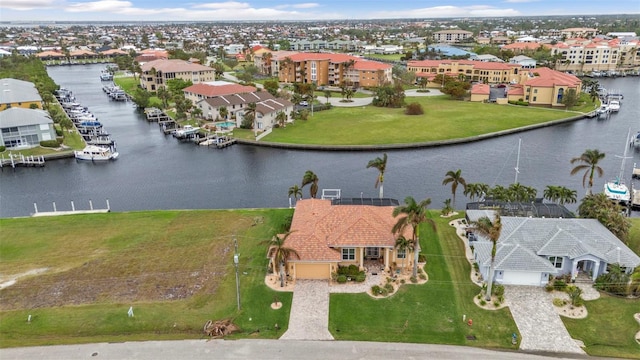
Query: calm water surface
[[155, 171]]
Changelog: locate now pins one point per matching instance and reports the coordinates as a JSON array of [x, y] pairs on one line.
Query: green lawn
[[429, 313], [609, 329], [389, 57], [130, 84], [443, 119], [138, 259]]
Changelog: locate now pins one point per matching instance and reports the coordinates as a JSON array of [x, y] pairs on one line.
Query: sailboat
[[616, 190]]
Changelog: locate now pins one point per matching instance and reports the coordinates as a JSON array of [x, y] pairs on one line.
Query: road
[[264, 349]]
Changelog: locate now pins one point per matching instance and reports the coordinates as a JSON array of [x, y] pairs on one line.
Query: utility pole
[[236, 257]]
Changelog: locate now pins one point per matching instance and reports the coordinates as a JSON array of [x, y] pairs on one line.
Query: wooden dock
[[635, 198], [15, 160], [224, 144], [156, 115]]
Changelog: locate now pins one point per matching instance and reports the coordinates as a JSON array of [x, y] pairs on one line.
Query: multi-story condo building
[[155, 74], [578, 33], [452, 36], [484, 72], [333, 69], [582, 55]]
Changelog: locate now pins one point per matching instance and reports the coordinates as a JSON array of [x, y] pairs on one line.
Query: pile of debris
[[220, 328]]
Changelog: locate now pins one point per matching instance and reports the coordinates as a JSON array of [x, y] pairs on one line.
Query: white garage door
[[521, 278]]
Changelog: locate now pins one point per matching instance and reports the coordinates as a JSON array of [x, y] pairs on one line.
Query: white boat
[[616, 189], [186, 131], [614, 105], [96, 153], [603, 111], [105, 76]]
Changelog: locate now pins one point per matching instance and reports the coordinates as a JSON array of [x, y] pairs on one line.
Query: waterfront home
[[24, 128], [331, 233], [235, 107], [546, 87], [155, 74], [202, 91], [531, 249], [18, 93]]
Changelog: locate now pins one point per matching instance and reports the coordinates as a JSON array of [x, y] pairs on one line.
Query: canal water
[[156, 171]]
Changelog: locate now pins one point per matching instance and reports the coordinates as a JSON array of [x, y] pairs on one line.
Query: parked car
[[304, 103]]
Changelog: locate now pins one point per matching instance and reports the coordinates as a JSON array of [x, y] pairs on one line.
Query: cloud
[[99, 6], [519, 1], [27, 4], [446, 11], [228, 5], [305, 5]]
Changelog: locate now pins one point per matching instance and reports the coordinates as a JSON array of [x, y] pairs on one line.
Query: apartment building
[[155, 74], [480, 71], [333, 69], [578, 33], [582, 55], [452, 36]]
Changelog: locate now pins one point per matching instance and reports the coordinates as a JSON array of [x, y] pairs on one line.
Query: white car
[[304, 103]]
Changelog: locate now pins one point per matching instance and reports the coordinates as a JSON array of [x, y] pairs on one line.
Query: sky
[[203, 10]]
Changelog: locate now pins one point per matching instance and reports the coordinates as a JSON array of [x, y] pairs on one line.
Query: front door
[[372, 253]]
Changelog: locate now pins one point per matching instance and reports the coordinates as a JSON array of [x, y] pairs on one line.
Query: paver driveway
[[309, 319], [539, 324]]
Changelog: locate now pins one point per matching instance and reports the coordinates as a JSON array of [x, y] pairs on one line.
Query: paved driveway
[[309, 318], [539, 324]]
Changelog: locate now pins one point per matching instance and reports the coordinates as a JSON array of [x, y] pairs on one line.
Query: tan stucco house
[[329, 233]]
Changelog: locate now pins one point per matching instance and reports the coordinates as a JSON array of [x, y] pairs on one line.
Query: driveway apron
[[309, 319], [539, 324]]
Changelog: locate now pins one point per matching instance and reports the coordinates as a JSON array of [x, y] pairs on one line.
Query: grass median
[[443, 119]]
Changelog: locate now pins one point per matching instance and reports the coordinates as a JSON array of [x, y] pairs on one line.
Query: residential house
[[452, 36], [524, 61], [155, 74], [25, 128], [18, 93], [530, 249], [331, 233]]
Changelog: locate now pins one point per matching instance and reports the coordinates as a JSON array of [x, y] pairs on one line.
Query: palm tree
[[267, 60], [404, 245], [250, 112], [492, 230], [566, 195], [552, 193], [295, 191], [281, 118], [413, 214], [589, 164], [475, 190], [285, 65], [381, 165], [310, 178], [222, 110], [280, 253], [454, 178]]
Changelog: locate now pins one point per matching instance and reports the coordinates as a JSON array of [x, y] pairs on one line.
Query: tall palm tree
[[588, 162], [404, 245], [381, 165], [280, 253], [223, 112], [454, 178], [296, 192], [412, 214], [250, 112], [267, 60], [491, 230], [311, 178], [552, 193]]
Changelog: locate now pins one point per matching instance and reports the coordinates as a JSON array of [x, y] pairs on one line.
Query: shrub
[[353, 270], [423, 91], [422, 258], [413, 109], [575, 295], [49, 143], [342, 279], [498, 290], [376, 290], [549, 287], [501, 298], [402, 281], [413, 279], [389, 288], [3, 148], [423, 276], [59, 132], [496, 303], [483, 302], [559, 284], [361, 277], [558, 302]]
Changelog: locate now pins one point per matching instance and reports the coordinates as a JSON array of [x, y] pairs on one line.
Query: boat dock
[[156, 115], [73, 210], [15, 160], [227, 141]]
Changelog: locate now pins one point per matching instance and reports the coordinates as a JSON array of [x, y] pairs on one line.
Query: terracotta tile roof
[[370, 65], [173, 66], [49, 54], [480, 65], [550, 78], [220, 90], [114, 52], [318, 227], [81, 53], [481, 89], [524, 46], [516, 90]]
